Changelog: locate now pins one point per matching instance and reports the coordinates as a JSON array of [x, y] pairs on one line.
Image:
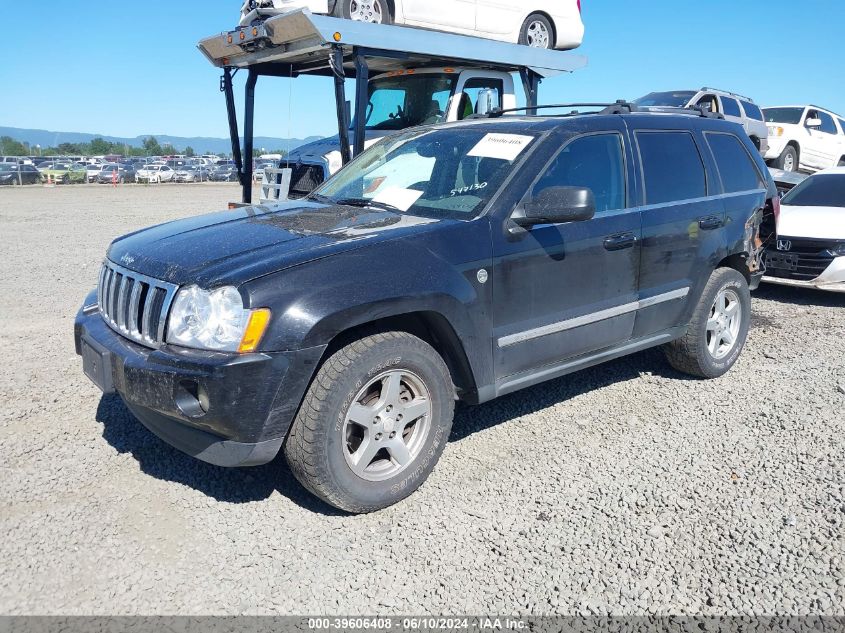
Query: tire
[[538, 32], [841, 162], [693, 354], [377, 11], [788, 160], [347, 409]]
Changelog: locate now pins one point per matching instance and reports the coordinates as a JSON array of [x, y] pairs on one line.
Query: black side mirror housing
[[556, 205]]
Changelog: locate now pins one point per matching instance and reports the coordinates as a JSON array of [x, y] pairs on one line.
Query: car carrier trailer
[[301, 43]]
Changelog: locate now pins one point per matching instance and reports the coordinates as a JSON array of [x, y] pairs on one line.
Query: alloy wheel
[[538, 35], [387, 425], [724, 324], [367, 11]]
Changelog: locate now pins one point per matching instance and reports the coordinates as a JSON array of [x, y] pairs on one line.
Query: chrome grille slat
[[134, 305], [121, 302], [134, 300]]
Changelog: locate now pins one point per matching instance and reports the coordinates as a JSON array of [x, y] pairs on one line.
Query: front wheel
[[375, 11], [373, 423], [788, 160], [718, 330], [537, 32]]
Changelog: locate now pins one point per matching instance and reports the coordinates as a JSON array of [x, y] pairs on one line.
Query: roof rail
[[619, 107], [728, 92]]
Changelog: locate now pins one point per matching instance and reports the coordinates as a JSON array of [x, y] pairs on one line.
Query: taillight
[[579, 6], [776, 210]]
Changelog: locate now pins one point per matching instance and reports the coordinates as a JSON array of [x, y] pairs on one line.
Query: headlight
[[775, 130], [215, 321], [839, 249]]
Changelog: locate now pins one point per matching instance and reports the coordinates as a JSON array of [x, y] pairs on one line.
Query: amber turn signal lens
[[338, 37], [230, 39], [258, 322]]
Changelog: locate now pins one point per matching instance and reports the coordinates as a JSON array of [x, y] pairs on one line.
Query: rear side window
[[736, 167], [672, 167], [596, 162], [731, 107], [752, 111]]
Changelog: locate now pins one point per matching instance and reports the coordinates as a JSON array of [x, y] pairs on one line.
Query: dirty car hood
[[233, 247]]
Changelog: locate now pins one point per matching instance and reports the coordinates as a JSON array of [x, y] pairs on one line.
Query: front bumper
[[225, 409], [776, 146], [831, 280]]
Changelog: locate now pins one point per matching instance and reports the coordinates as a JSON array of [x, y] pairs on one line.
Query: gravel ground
[[625, 489]]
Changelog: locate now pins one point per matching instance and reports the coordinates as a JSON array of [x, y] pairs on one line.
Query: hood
[[815, 223], [233, 247], [315, 151]]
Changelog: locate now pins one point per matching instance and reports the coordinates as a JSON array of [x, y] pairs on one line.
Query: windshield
[[8, 167], [789, 116], [669, 99], [451, 173], [401, 102], [827, 190]]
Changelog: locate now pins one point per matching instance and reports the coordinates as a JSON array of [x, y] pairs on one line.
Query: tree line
[[101, 147]]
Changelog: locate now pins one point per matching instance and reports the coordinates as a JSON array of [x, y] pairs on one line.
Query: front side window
[[672, 167], [450, 173], [828, 126], [826, 190], [468, 100], [787, 116], [731, 107], [735, 165], [401, 102], [841, 125], [596, 162]]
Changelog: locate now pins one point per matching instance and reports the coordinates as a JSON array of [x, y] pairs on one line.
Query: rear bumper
[[225, 409]]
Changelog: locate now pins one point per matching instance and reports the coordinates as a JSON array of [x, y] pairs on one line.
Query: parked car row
[[790, 138]]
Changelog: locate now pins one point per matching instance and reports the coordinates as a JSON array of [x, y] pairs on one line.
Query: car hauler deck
[[299, 43]]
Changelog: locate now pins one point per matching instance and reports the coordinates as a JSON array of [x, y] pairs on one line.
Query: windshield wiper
[[316, 197], [363, 203]]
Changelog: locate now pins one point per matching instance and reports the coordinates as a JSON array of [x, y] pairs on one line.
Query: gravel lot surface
[[625, 489]]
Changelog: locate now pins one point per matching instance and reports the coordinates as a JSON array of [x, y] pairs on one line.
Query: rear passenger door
[[682, 213], [564, 290]]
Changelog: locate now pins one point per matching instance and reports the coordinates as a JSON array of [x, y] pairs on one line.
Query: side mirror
[[488, 100], [556, 205], [813, 123]]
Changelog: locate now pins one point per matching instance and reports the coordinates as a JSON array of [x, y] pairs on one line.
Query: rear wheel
[[788, 160], [373, 423], [842, 162], [718, 330], [537, 32], [375, 11]]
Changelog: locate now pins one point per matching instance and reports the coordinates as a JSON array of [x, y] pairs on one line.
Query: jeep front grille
[[134, 305]]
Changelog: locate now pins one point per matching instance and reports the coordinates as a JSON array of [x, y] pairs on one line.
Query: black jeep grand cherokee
[[457, 262]]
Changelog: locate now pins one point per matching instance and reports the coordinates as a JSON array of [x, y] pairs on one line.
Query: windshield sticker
[[501, 146], [402, 199]]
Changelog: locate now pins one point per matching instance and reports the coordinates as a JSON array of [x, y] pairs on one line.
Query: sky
[[132, 68]]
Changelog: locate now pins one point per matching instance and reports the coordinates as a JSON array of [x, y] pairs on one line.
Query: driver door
[[566, 290], [456, 15]]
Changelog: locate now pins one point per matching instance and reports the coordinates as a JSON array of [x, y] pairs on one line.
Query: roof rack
[[728, 92], [618, 107]]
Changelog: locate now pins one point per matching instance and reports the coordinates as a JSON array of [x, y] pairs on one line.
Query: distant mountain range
[[200, 144]]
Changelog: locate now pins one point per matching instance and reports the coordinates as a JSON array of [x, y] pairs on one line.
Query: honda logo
[[784, 245]]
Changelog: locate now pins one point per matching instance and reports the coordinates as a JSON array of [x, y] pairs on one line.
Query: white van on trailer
[[476, 76]]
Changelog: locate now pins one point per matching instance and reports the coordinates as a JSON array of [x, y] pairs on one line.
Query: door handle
[[710, 223], [620, 242]]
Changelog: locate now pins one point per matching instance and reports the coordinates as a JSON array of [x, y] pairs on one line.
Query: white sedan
[[810, 246], [155, 173], [539, 23]]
